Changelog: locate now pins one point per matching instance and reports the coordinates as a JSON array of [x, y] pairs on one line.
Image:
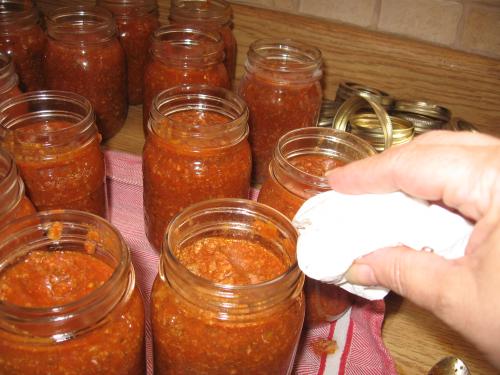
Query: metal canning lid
[[348, 89], [367, 126], [459, 124], [327, 111], [353, 105], [422, 123], [424, 108]]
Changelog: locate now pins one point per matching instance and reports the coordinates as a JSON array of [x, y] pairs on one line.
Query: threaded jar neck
[[201, 11], [8, 76], [17, 15], [123, 9], [11, 185]]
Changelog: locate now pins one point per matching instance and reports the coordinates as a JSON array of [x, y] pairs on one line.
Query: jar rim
[[11, 184], [41, 223], [235, 206], [117, 7], [281, 158], [17, 13], [8, 75], [82, 21], [218, 11], [201, 97], [84, 124], [285, 56], [183, 39]]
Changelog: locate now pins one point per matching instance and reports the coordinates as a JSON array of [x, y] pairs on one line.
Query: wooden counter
[[468, 84]]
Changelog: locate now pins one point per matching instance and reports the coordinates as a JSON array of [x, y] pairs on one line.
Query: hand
[[462, 170]]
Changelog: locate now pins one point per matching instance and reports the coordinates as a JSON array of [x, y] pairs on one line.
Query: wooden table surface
[[467, 84]]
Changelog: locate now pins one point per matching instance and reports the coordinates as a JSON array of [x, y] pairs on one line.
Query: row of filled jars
[[197, 149]]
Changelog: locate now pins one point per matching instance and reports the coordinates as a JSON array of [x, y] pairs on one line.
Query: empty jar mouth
[[47, 121], [81, 24], [285, 56], [231, 112], [216, 11], [185, 45]]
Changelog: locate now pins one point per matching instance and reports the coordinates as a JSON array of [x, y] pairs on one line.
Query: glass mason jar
[[69, 301], [196, 149], [56, 148], [9, 80], [13, 202], [282, 89], [84, 55], [297, 172], [228, 297], [183, 55], [22, 38], [136, 21], [213, 15]]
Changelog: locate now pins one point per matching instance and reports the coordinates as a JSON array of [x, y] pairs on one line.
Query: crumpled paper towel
[[335, 229]]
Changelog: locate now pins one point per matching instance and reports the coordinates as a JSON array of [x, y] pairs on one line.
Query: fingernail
[[361, 274]]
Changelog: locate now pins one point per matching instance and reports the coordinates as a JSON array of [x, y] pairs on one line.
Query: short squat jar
[[212, 15], [68, 302], [9, 80], [228, 297], [56, 146], [196, 149], [297, 172], [282, 89], [13, 202], [183, 55], [84, 55], [22, 38], [136, 21]]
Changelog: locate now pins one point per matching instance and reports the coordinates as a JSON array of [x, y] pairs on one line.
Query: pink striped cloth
[[357, 334]]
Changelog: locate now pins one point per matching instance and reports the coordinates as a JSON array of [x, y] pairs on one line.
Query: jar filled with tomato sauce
[[183, 55], [213, 15], [228, 296], [22, 38], [281, 86], [68, 302], [196, 149], [297, 172], [13, 202], [9, 80], [56, 146], [84, 55], [136, 21]]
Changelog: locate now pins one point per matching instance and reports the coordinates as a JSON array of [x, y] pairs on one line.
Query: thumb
[[425, 278]]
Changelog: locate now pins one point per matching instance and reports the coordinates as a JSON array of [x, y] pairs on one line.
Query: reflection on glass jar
[[136, 21], [9, 80], [84, 55], [297, 172], [196, 149], [281, 87], [13, 202], [22, 38], [228, 298], [69, 302], [56, 148], [183, 55], [213, 15]]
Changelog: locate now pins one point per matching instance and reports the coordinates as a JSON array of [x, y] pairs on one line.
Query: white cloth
[[335, 229]]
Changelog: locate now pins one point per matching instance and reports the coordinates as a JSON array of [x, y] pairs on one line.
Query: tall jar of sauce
[[213, 15], [69, 304], [136, 21], [282, 89], [84, 55], [9, 80], [57, 150], [196, 149], [22, 38], [13, 202], [297, 172], [183, 55], [228, 297]]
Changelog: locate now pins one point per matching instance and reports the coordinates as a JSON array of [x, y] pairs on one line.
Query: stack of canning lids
[[369, 127], [348, 89], [424, 115]]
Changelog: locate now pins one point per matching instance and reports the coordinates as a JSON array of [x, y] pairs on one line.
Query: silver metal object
[[449, 366]]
